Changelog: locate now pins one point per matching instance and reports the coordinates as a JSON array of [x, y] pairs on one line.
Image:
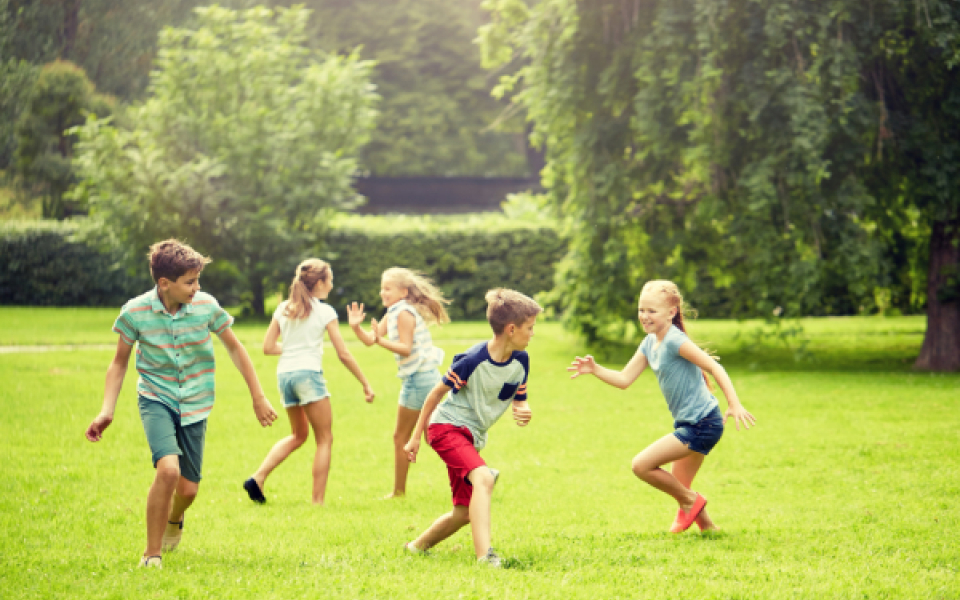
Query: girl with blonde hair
[[413, 303], [681, 367], [301, 321]]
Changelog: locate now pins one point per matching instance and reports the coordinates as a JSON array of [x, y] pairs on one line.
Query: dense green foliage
[[61, 98], [16, 82], [437, 110], [437, 113], [465, 255], [735, 147], [46, 264], [245, 147]]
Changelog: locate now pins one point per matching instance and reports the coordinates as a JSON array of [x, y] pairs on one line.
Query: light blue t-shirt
[[482, 390], [680, 380]]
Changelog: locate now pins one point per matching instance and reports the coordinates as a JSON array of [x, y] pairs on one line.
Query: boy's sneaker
[[172, 539], [492, 559], [152, 561], [495, 473]]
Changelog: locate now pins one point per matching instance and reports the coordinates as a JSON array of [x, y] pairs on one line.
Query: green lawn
[[847, 488]]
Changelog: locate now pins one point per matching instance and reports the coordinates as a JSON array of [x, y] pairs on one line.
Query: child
[[301, 320], [481, 380], [413, 303], [175, 359], [679, 365]]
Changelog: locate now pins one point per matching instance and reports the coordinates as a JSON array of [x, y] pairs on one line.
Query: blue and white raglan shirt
[[482, 390]]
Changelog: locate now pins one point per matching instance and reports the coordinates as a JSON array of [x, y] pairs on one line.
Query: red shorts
[[455, 447]]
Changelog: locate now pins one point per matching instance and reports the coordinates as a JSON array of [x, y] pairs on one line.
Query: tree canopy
[[247, 142], [756, 153]]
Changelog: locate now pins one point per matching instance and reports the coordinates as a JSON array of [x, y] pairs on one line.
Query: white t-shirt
[[303, 338]]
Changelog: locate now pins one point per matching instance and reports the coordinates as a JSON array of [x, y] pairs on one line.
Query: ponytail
[[309, 273], [672, 294]]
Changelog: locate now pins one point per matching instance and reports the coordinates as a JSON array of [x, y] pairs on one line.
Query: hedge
[[465, 255], [45, 263]]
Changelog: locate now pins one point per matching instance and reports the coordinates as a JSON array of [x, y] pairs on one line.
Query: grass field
[[847, 488]]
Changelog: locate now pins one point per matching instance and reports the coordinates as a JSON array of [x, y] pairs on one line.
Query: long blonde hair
[[672, 296], [421, 293], [309, 273]]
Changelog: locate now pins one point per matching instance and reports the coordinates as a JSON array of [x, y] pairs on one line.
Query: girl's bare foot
[[394, 494]]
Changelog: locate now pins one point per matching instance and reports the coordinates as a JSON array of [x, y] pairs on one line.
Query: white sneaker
[[495, 473], [172, 540], [492, 559], [409, 547], [152, 561]]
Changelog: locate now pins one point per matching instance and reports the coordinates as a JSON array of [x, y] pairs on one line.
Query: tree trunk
[[256, 302], [68, 29], [941, 343]]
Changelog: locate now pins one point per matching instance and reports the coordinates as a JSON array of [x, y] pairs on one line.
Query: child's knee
[[460, 515], [168, 472], [482, 479], [641, 468]]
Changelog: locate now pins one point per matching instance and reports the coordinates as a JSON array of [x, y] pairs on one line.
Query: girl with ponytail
[[413, 303], [301, 321], [681, 367]]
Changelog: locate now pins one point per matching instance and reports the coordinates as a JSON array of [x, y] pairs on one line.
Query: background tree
[[61, 98], [728, 146], [246, 144]]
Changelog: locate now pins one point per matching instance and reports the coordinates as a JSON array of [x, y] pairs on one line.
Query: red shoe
[[686, 518]]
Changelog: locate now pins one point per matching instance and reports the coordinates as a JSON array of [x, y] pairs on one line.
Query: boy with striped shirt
[[172, 325], [483, 383]]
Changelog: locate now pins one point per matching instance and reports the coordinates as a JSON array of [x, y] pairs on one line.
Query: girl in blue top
[[681, 368], [413, 303]]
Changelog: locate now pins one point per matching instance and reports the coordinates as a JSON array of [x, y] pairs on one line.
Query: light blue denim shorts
[[299, 388], [416, 387]]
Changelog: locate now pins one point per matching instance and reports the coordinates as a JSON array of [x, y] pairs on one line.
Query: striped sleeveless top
[[424, 356]]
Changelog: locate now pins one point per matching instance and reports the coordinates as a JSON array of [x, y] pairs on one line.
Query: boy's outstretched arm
[[429, 405], [238, 354], [115, 374]]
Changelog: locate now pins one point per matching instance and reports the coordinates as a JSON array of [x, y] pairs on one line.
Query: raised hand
[[582, 366], [355, 314]]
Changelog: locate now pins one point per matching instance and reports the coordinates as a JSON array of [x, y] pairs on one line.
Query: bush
[[48, 263], [45, 263], [465, 255]]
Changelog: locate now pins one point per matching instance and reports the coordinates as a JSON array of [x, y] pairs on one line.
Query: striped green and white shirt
[[175, 352]]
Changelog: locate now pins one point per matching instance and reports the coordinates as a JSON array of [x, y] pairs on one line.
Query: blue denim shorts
[[416, 387], [299, 388], [703, 435]]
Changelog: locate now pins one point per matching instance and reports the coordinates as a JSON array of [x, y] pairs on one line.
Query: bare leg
[[685, 470], [159, 500], [282, 449], [183, 497], [646, 466], [482, 480], [443, 528], [320, 415], [406, 421]]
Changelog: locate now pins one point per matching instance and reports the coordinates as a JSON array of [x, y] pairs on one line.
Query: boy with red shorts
[[482, 383]]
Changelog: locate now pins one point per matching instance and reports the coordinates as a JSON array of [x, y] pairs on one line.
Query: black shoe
[[253, 490]]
